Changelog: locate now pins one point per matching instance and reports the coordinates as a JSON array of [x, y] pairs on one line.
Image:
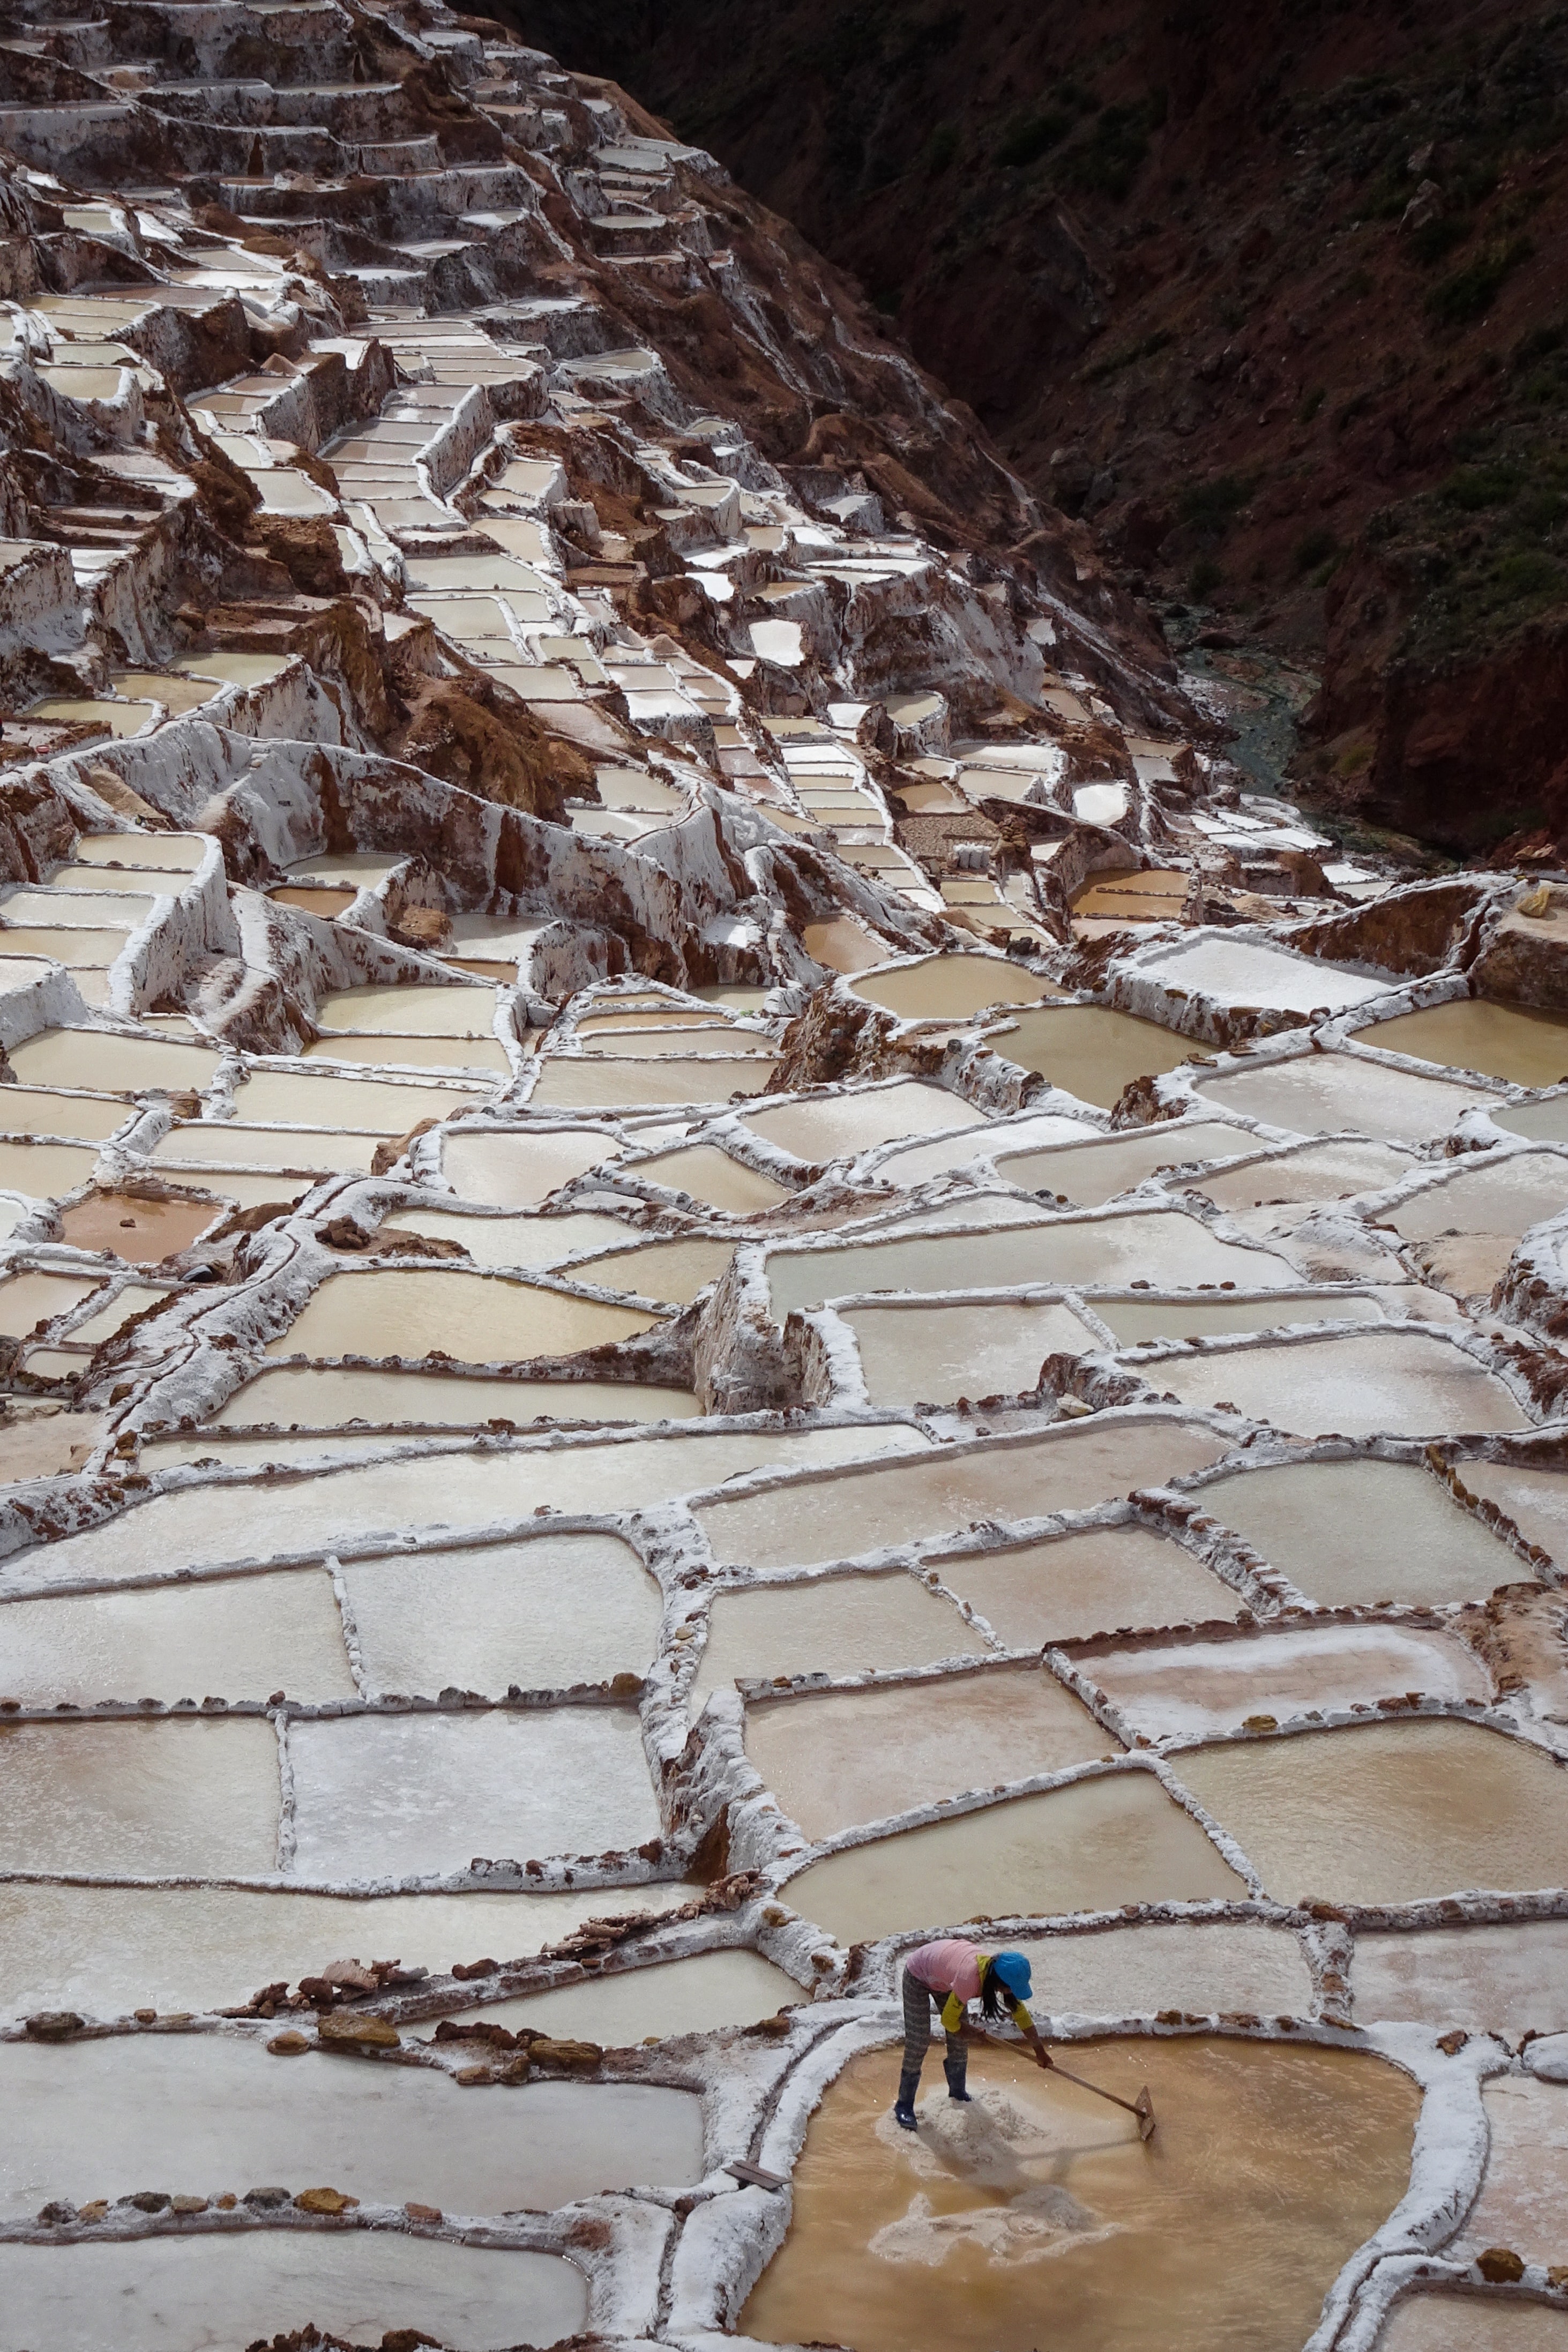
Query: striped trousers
[[919, 2003]]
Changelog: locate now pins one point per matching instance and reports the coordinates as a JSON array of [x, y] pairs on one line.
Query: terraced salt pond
[[478, 1319], [691, 1996], [1361, 1531], [1090, 1051], [832, 1126], [1030, 1594], [930, 1351], [1272, 2166], [321, 1396], [950, 987], [1526, 1047], [1091, 1173], [246, 1637], [712, 1177], [1408, 1384], [835, 1625], [1325, 1093]]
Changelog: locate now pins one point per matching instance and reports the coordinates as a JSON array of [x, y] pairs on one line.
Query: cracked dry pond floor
[[1037, 2217]]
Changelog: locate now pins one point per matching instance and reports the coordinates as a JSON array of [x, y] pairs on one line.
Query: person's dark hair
[[994, 1997]]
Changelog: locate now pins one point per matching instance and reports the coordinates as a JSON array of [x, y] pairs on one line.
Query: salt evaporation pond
[[405, 1796], [542, 1615], [836, 1759], [1514, 1042], [368, 1106], [324, 1396], [1497, 1196], [1099, 1843], [1388, 1813], [1254, 972], [105, 1950], [833, 1625], [711, 1176], [1321, 1094], [32, 1110], [1197, 1689], [652, 1045], [107, 1061], [1090, 1051], [516, 1168], [1506, 1977], [1524, 2192], [931, 1351], [1348, 1532], [459, 1053], [1095, 1582], [1313, 1172], [1036, 2215], [1139, 1322], [45, 1170], [410, 1012], [864, 1510], [103, 2119], [832, 1126], [141, 1800], [226, 1144], [1407, 1383], [479, 1319], [211, 2293], [140, 1231], [242, 1639], [1162, 1246], [673, 1272], [950, 987], [1091, 1173], [631, 2005], [1535, 1500], [528, 1241], [1473, 2322], [588, 1083]]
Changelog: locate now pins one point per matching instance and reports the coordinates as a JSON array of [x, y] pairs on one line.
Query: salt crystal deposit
[[675, 1318]]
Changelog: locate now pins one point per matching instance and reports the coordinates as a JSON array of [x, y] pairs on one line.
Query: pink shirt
[[949, 1966]]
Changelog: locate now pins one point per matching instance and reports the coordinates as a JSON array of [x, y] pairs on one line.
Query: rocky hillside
[[1274, 297]]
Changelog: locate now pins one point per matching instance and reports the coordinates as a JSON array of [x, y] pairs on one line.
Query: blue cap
[[1013, 1969]]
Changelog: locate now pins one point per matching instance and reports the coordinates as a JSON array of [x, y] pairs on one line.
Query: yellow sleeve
[[952, 2013], [1021, 2018]]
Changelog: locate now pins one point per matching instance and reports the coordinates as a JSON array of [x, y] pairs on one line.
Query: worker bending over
[[950, 1974]]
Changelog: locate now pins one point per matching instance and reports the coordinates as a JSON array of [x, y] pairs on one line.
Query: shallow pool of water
[[1535, 1500], [709, 1175], [1406, 1384], [1473, 2322], [1159, 1245], [141, 1232], [840, 1758], [542, 1615], [99, 1059], [537, 1242], [1388, 1813], [1320, 1171], [841, 944], [835, 1625], [211, 2293], [1255, 972], [655, 1043], [1319, 1094], [593, 1082], [951, 987], [28, 1299], [928, 1353], [1090, 1051], [1091, 1173], [404, 1796], [32, 1110], [1035, 2217], [1524, 2190], [1198, 1689], [365, 1105], [692, 1995], [241, 1639], [520, 1169], [385, 1051], [313, 899], [1095, 1582], [316, 1396], [212, 2112], [673, 1271], [832, 1126], [1093, 1846], [477, 1318], [861, 1510], [1503, 1041], [1361, 1531], [140, 1799], [1492, 1196], [67, 943], [1136, 1322]]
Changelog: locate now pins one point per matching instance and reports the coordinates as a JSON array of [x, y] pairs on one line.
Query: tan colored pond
[[653, 1045], [1091, 1173], [1524, 2192], [517, 1169], [214, 2108], [1535, 1500], [289, 1099], [928, 1353], [185, 2291], [835, 1625], [141, 1800], [317, 1396], [222, 1144], [105, 1950], [1033, 2216], [1322, 1172], [28, 1299], [313, 899], [631, 2005], [1541, 1122], [401, 1795], [1091, 1052], [44, 1171], [951, 987], [675, 1271], [240, 1639], [385, 1051], [709, 1175], [1504, 1041], [1504, 1197], [1135, 1322], [141, 1232], [841, 944], [1473, 2322], [590, 1081], [46, 1441], [1088, 1583], [65, 944], [830, 1126], [512, 1241], [1160, 1245], [103, 1060], [1391, 1813], [32, 1110], [1194, 1689], [1066, 1469], [1093, 1846], [1360, 1531], [1319, 1094], [164, 852], [479, 1319], [1405, 1382], [836, 1759], [634, 1013], [543, 1615]]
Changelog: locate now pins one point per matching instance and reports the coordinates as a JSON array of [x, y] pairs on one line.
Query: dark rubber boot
[[904, 2107], [955, 2067]]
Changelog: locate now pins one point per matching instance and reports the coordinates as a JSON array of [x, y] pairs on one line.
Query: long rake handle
[[1099, 2094]]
